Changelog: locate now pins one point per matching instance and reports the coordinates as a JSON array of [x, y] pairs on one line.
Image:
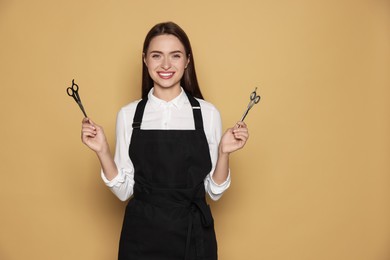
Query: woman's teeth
[[165, 74]]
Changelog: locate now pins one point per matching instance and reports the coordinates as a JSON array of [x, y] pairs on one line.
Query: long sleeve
[[213, 129], [122, 185]]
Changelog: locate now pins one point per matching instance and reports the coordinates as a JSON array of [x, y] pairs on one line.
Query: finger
[[89, 131], [85, 137], [87, 120], [88, 127], [91, 122], [241, 138], [228, 131], [240, 124], [241, 130], [85, 123], [241, 135]]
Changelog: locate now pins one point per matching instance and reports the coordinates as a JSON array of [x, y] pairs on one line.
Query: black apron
[[168, 217]]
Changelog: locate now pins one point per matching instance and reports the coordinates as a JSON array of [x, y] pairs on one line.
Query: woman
[[169, 153]]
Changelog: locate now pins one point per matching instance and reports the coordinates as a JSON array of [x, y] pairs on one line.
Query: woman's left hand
[[234, 138]]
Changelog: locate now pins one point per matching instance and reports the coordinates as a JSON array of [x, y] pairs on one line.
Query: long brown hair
[[189, 81]]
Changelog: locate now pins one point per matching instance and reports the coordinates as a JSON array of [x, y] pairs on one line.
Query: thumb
[[88, 120]]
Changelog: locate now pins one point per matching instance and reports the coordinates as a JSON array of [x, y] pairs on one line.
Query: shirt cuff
[[120, 178], [215, 190], [220, 188]]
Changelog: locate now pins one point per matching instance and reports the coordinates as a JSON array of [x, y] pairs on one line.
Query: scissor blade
[[82, 108], [244, 115]]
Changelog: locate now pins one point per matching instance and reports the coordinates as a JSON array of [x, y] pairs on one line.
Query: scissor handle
[[254, 97], [72, 91]]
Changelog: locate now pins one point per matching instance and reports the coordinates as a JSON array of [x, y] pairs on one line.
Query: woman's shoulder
[[129, 108], [207, 106]]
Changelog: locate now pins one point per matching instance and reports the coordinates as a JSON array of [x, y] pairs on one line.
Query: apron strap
[[196, 111], [139, 112]]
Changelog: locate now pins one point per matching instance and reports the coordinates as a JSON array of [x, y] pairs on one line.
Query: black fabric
[[168, 217]]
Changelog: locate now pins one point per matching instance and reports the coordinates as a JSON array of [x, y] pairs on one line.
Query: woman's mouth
[[165, 75]]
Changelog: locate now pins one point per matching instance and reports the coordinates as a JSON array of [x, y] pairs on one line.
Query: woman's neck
[[166, 94]]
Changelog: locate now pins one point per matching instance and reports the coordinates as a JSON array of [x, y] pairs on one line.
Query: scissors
[[254, 99], [73, 91]]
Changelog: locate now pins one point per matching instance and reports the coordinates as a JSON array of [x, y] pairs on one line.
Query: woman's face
[[166, 61]]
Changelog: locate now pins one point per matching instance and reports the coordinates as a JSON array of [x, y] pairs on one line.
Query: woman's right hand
[[92, 135]]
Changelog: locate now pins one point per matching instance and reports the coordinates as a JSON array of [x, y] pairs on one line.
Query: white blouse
[[159, 114]]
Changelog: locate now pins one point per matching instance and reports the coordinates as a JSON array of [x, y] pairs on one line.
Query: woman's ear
[[188, 60], [144, 58]]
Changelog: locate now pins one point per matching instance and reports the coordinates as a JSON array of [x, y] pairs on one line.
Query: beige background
[[313, 181]]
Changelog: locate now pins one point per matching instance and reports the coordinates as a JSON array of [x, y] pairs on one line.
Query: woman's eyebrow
[[176, 52], [172, 52]]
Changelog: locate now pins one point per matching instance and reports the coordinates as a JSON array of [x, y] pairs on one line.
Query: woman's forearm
[[108, 164], [222, 168], [93, 136], [233, 140]]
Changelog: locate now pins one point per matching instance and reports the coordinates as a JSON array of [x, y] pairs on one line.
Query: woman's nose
[[166, 64]]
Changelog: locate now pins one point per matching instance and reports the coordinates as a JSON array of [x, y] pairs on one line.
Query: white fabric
[[159, 114]]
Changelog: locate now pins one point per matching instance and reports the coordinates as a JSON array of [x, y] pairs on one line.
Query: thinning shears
[[254, 99], [73, 91]]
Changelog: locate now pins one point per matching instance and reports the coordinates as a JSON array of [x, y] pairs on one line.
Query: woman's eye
[[176, 56], [155, 56]]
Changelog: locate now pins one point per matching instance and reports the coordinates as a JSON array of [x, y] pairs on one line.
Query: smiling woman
[[182, 44], [169, 154], [166, 61]]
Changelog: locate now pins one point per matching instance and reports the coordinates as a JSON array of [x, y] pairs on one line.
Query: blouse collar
[[177, 102]]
